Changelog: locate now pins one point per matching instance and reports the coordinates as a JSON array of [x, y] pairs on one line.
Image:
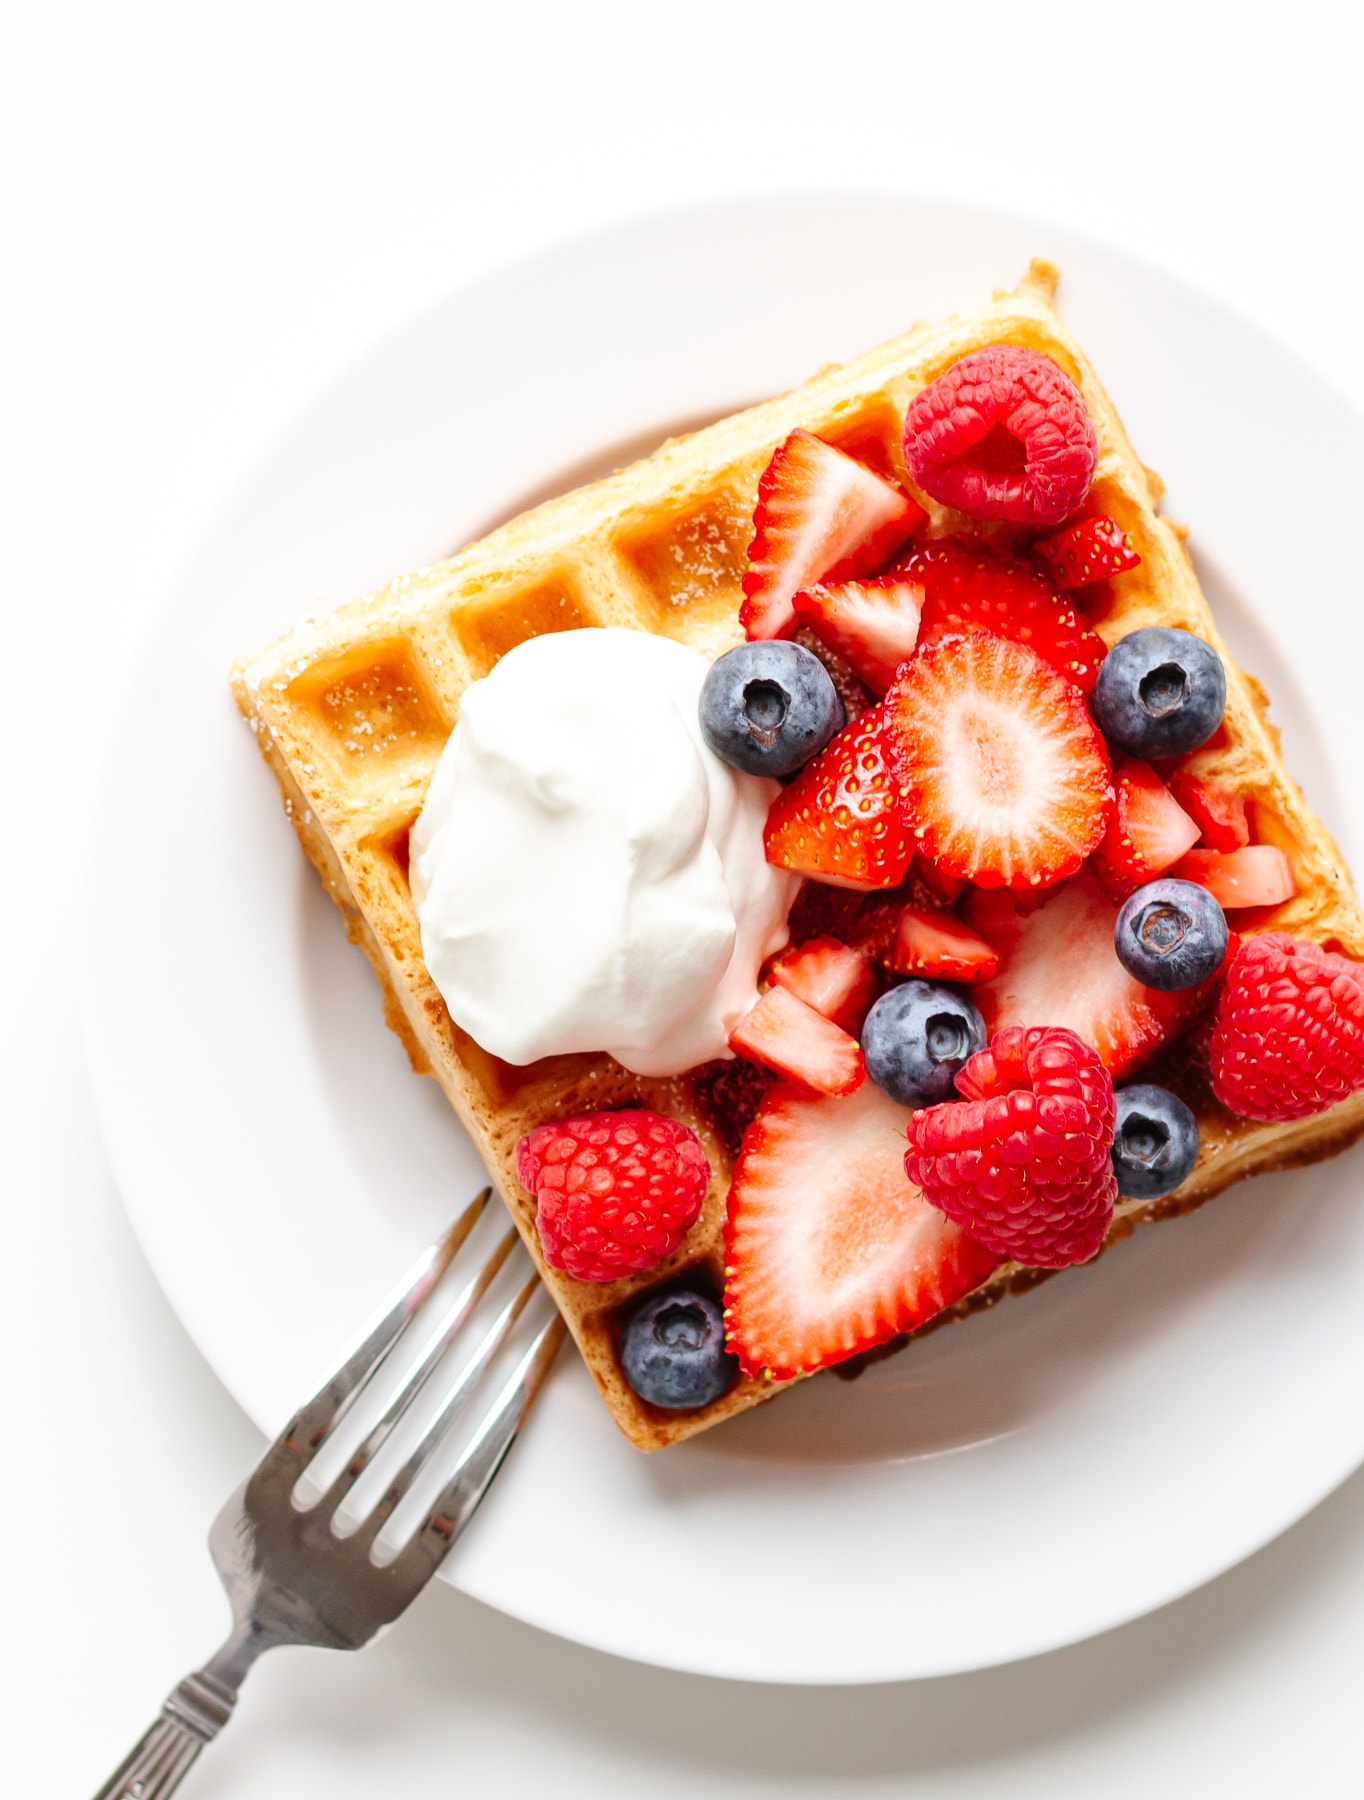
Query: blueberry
[[1170, 935], [915, 1039], [768, 707], [1160, 692], [673, 1351], [1155, 1141]]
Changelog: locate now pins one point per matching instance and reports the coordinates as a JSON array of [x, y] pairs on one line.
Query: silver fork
[[290, 1578]]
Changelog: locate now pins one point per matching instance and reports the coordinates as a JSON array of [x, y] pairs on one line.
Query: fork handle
[[193, 1715]]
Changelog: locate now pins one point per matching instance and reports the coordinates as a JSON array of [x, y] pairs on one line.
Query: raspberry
[[1023, 1162], [1289, 1036], [616, 1191], [731, 1092], [1003, 434]]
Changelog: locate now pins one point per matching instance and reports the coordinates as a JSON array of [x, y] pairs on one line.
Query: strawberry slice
[[1258, 875], [1149, 830], [827, 975], [829, 1249], [969, 588], [1090, 551], [1219, 814], [819, 515], [839, 820], [785, 1034], [1058, 967], [937, 946], [1003, 777], [872, 625]]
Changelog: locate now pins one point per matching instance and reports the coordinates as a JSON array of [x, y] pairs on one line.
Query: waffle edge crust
[[352, 712]]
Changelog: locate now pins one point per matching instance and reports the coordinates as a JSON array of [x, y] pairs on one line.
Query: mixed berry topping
[[616, 1192], [1016, 892], [1038, 895], [1041, 904], [1003, 434], [1023, 1161]]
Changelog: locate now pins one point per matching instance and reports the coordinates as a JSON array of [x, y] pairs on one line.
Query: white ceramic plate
[[1054, 1468]]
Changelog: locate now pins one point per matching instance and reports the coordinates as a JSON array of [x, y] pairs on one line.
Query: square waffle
[[352, 713]]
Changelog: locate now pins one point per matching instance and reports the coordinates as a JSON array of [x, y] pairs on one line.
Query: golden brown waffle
[[352, 713]]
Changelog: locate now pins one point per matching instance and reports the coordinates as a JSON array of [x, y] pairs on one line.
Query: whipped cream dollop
[[588, 874]]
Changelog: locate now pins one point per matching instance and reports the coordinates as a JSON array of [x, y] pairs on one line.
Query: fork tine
[[310, 1425], [480, 1460], [450, 1407], [442, 1337]]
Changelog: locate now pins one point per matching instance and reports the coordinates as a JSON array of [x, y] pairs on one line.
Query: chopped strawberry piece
[[938, 947], [1002, 774], [1090, 551], [827, 975], [1058, 967], [829, 1249], [785, 1034], [820, 515], [839, 820], [1219, 814], [1149, 830], [942, 886], [872, 625], [1258, 875], [970, 588]]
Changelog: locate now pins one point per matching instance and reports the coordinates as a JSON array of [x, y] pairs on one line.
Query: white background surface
[[205, 214]]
